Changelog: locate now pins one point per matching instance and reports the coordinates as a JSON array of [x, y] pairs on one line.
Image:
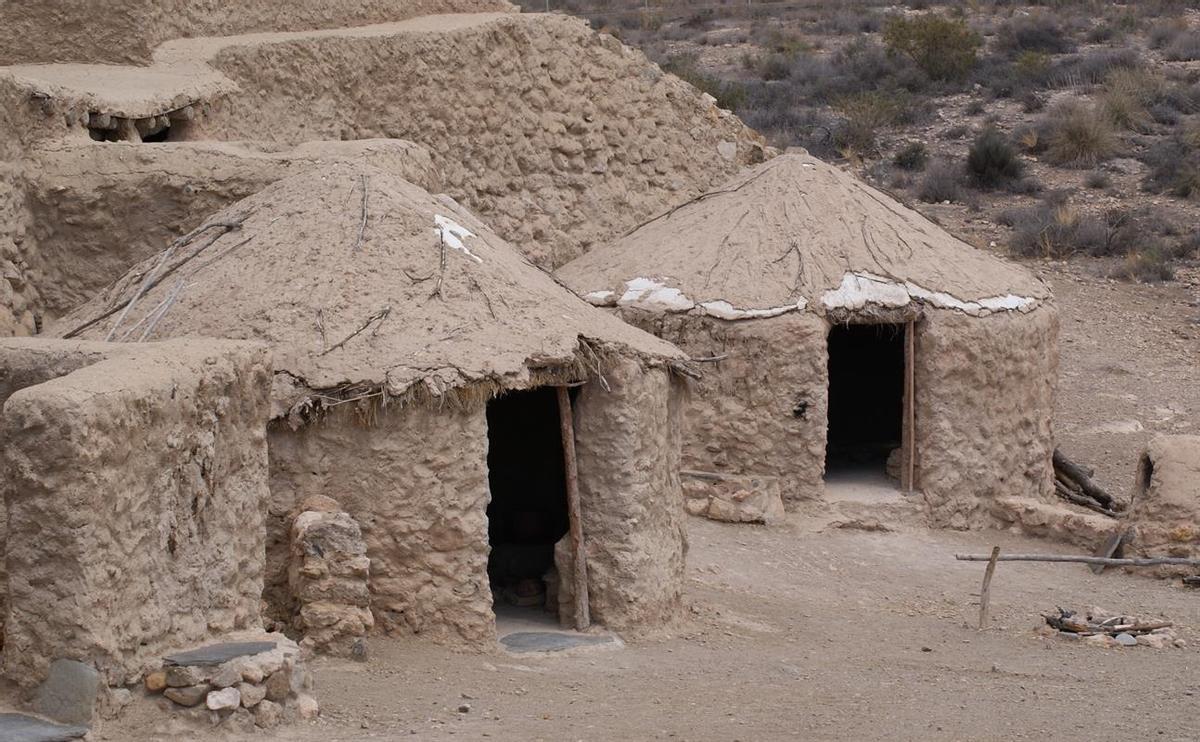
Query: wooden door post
[[567, 424]]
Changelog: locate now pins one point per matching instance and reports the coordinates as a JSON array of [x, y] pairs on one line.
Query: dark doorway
[[866, 395], [528, 511]]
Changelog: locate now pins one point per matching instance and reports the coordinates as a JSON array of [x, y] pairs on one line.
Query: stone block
[[69, 693]]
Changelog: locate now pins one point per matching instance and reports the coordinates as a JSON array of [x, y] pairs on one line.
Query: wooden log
[[1082, 500], [985, 594], [1139, 562], [579, 561], [1078, 475]]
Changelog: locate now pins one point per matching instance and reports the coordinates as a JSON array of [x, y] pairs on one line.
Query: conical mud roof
[[362, 283], [796, 233]]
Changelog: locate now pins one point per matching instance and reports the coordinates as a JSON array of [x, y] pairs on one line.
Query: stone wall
[[762, 410], [985, 396], [85, 31], [628, 443], [559, 137], [415, 480], [134, 488], [98, 208]]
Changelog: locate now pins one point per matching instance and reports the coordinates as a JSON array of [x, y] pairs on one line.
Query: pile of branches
[[1090, 625], [1074, 484]]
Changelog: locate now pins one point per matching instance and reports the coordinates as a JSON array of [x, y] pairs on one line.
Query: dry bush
[[864, 115], [1059, 230], [1097, 180], [1175, 163], [1127, 96], [943, 48], [992, 160], [1092, 68], [1036, 32], [1185, 47], [942, 182], [1148, 265], [912, 157], [1076, 134]]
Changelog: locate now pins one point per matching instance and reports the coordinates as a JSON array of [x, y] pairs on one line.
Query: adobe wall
[[762, 410], [134, 489], [415, 479], [559, 137], [98, 208], [985, 397], [85, 31], [1165, 506], [627, 444]]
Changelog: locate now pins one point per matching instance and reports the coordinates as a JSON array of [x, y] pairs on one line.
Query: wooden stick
[[1140, 562], [1082, 501], [985, 594], [1079, 476], [362, 227], [910, 407], [567, 425]]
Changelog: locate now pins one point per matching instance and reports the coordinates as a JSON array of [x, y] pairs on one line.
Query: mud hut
[[842, 329], [419, 363]]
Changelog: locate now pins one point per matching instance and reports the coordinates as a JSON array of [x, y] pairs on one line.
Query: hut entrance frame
[[871, 396], [528, 511], [533, 481]]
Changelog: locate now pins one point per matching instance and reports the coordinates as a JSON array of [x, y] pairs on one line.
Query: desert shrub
[[1059, 230], [942, 182], [992, 160], [911, 157], [1151, 264], [1076, 134], [773, 67], [788, 124], [1125, 98], [1097, 180], [1163, 32], [1174, 164], [943, 48], [864, 115], [729, 94], [958, 131], [1036, 32], [1091, 68], [975, 108], [1185, 47]]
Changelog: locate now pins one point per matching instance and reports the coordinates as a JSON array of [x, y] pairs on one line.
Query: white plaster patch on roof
[[651, 294], [601, 298], [452, 233], [989, 305], [860, 289], [722, 309]]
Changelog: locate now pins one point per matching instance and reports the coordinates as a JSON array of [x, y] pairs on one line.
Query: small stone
[[224, 699], [306, 707], [358, 649], [1180, 643], [228, 674], [464, 708], [1100, 640], [189, 696], [252, 695], [926, 649], [185, 676], [252, 674], [267, 714], [1126, 640], [156, 682], [279, 685], [240, 720], [1154, 641]]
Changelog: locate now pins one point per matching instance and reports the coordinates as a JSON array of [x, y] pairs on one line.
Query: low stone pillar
[[329, 578], [1165, 507]]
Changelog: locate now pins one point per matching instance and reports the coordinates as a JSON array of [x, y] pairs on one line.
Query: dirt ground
[[800, 632], [809, 631]]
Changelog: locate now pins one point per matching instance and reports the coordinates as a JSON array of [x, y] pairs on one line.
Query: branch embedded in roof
[[379, 317]]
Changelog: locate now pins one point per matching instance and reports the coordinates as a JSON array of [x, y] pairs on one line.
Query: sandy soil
[[1129, 359], [804, 632]]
